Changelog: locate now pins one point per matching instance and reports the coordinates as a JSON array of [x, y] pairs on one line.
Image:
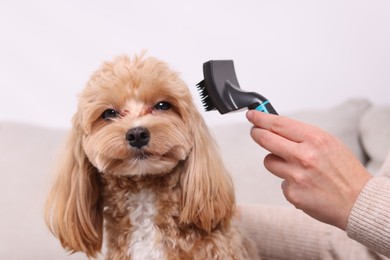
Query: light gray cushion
[[375, 135], [26, 167], [28, 154]]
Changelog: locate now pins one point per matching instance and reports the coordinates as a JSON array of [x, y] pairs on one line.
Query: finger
[[278, 166], [274, 143], [286, 127]]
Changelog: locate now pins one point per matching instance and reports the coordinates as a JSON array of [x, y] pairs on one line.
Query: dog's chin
[[148, 165]]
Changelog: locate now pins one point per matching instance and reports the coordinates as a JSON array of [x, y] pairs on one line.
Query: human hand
[[321, 176]]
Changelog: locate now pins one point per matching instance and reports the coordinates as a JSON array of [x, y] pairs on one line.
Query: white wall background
[[300, 54]]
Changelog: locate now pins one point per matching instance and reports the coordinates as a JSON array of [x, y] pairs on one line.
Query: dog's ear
[[208, 196], [74, 211]]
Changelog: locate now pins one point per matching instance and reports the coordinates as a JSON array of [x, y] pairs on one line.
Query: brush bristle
[[205, 97]]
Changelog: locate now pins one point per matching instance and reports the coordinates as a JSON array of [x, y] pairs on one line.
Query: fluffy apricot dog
[[141, 163]]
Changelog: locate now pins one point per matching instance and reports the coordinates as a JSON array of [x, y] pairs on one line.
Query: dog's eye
[[162, 106], [109, 113]]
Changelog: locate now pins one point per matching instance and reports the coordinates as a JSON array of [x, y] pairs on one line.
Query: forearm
[[287, 233], [282, 232]]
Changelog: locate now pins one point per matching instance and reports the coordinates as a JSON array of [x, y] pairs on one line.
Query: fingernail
[[249, 115]]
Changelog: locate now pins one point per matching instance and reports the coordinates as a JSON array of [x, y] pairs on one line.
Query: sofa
[[28, 155]]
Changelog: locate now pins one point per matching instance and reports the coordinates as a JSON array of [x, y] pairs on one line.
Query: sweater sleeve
[[287, 233], [369, 221]]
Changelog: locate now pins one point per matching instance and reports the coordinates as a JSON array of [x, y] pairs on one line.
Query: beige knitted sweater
[[287, 233]]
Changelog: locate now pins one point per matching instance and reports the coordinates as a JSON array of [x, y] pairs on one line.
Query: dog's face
[[134, 115]]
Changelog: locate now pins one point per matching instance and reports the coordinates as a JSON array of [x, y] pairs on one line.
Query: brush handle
[[266, 107]]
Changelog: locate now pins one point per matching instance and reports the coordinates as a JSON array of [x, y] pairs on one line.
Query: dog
[[141, 165]]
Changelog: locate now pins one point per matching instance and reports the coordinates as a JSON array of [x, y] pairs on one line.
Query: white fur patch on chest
[[144, 244]]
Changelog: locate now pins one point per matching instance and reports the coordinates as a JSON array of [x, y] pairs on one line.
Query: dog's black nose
[[138, 137]]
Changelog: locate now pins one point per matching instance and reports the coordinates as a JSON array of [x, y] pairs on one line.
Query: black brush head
[[212, 89], [220, 89], [205, 97]]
